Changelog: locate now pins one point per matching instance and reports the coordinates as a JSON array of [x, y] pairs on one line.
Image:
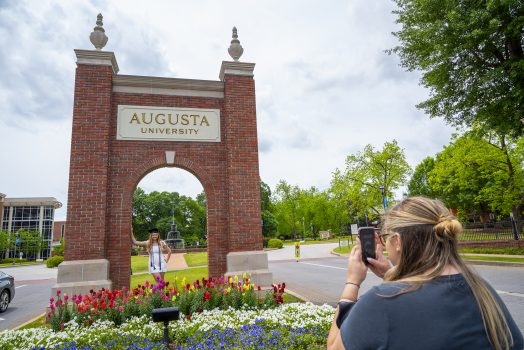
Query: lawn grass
[[39, 322], [310, 241], [196, 259], [288, 298], [139, 263], [505, 251], [23, 263], [190, 275], [345, 249]]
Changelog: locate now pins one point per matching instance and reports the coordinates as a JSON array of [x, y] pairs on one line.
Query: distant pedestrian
[[156, 248], [429, 300]]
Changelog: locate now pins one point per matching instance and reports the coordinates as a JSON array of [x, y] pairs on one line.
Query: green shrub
[[54, 261], [12, 260], [275, 243]]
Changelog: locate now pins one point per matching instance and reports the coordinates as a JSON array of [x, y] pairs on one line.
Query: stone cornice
[[236, 68], [34, 201], [168, 86], [104, 58]]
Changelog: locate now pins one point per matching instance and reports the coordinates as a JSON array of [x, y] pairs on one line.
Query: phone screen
[[367, 242]]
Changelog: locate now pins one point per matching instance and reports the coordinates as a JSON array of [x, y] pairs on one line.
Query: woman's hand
[[357, 270], [381, 264]]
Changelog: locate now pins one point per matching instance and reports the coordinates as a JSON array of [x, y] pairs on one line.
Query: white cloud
[[325, 86]]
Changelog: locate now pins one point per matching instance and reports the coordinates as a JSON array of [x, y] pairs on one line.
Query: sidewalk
[[177, 262]]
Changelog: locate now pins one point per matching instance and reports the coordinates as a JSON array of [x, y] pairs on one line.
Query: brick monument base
[[81, 276]]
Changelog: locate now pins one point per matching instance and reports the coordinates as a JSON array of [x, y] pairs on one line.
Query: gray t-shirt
[[442, 314]]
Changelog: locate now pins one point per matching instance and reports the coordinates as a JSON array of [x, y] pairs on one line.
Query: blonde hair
[[428, 233], [149, 243]]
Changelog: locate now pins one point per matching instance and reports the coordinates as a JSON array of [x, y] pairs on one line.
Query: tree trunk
[[516, 210]]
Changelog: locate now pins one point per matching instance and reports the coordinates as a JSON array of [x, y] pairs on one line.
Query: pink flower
[[58, 292], [51, 300]]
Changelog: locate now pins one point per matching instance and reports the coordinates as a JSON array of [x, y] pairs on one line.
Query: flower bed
[[118, 306], [215, 314], [287, 326]]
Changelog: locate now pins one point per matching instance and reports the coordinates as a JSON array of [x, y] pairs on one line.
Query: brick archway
[[105, 168]]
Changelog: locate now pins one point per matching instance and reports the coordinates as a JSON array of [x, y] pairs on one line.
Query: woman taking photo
[[430, 299], [156, 248]]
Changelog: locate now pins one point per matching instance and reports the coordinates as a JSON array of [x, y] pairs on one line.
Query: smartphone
[[367, 242]]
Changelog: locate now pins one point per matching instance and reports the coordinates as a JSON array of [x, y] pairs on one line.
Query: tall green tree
[[359, 186], [419, 184], [481, 173], [286, 208], [269, 222], [471, 57], [155, 209]]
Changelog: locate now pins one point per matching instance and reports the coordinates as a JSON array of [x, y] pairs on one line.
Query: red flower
[[188, 317], [207, 295], [259, 288]]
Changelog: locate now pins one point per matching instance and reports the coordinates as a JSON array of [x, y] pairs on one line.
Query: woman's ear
[[397, 242]]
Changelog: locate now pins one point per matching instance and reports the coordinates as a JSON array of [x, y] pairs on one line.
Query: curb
[[288, 291], [473, 262], [494, 263], [28, 322]]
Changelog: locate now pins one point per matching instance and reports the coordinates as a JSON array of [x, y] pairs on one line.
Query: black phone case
[[367, 242]]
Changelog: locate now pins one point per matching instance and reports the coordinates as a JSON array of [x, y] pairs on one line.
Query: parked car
[[7, 290]]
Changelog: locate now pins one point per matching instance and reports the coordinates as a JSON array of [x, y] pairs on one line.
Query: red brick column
[[88, 171], [245, 226]]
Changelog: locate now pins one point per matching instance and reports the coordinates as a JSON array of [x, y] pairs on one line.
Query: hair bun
[[447, 228]]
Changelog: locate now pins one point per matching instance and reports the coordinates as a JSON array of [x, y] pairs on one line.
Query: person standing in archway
[[156, 248]]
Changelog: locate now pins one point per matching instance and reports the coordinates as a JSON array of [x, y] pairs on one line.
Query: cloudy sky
[[325, 86]]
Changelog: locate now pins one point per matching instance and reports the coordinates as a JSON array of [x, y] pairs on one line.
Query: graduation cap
[[153, 230]]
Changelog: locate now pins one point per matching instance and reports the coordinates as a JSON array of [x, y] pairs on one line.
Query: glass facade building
[[32, 214]]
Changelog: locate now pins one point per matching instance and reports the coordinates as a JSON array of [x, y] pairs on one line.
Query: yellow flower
[[173, 298], [229, 279], [236, 279], [244, 276]]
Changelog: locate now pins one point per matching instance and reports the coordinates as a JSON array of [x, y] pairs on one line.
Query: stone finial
[[98, 36], [235, 49]]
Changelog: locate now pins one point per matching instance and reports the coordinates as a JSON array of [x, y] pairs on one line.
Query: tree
[[286, 208], [481, 172], [471, 57], [359, 186], [419, 184], [155, 210], [269, 223]]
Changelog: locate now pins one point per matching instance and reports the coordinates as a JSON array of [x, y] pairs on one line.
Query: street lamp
[[384, 199]]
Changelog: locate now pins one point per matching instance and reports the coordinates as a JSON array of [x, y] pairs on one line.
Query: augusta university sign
[[124, 127]]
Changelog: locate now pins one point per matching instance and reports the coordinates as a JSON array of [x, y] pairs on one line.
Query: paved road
[[33, 285], [321, 277]]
